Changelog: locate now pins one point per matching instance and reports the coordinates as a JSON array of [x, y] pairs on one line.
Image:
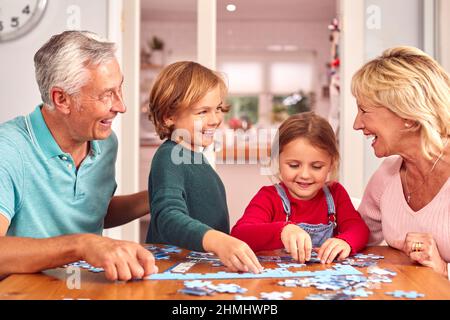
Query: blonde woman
[[403, 102]]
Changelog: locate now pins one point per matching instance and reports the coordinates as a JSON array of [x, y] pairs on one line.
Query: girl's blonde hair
[[309, 126], [179, 86], [415, 87]]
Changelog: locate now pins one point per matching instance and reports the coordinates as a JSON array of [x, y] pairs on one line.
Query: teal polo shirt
[[42, 194]]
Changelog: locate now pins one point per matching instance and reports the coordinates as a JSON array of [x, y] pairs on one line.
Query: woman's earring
[[407, 125]]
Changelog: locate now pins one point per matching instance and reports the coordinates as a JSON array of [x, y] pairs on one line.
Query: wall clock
[[18, 17]]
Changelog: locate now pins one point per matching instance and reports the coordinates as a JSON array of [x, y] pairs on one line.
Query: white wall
[[123, 28], [351, 144], [444, 34], [180, 38], [19, 93], [400, 23]]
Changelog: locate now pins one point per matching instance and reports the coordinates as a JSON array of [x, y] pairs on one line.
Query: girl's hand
[[234, 253], [421, 247], [333, 247], [297, 242]]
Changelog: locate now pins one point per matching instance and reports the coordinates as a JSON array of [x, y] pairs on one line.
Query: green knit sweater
[[187, 198]]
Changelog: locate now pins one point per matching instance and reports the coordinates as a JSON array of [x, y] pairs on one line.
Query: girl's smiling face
[[304, 168], [198, 123]]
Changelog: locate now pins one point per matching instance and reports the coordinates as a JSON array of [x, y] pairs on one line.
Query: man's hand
[[333, 247], [122, 260], [234, 253], [297, 242]]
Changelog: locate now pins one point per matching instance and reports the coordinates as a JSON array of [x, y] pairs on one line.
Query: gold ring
[[416, 247]]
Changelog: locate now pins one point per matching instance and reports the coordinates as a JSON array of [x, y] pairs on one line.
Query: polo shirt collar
[[45, 139], [43, 135], [95, 148]]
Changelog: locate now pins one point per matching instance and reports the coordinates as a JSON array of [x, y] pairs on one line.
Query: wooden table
[[52, 284]]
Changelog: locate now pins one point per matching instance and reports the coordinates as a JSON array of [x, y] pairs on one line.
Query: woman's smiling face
[[382, 126]]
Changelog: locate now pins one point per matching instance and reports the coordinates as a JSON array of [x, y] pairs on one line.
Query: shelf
[[150, 66]]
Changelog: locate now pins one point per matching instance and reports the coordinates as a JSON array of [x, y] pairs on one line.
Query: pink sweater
[[389, 217]]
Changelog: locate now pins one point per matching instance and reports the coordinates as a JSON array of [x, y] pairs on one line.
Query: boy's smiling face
[[198, 123]]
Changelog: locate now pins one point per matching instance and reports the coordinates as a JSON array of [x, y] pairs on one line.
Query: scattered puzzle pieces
[[196, 291], [196, 284], [182, 267], [202, 256], [266, 273], [291, 265], [380, 271], [84, 265], [228, 288], [240, 297], [328, 296], [281, 259], [276, 295], [162, 253], [368, 256], [405, 294], [198, 287], [358, 293], [347, 282], [375, 278]]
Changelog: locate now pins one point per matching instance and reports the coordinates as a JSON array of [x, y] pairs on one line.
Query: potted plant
[[157, 50]]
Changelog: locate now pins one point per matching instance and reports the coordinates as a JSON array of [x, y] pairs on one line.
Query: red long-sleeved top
[[264, 218]]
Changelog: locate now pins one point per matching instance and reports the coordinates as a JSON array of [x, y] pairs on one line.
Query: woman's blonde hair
[[315, 129], [415, 87], [179, 86]]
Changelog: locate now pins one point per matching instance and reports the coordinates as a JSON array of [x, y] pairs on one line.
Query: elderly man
[[57, 177]]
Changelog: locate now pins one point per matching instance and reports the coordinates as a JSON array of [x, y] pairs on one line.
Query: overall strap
[[284, 200], [330, 205]]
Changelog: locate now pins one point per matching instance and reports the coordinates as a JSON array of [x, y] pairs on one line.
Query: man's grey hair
[[64, 61]]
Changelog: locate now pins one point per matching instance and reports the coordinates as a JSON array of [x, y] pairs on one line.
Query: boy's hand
[[331, 248], [297, 242], [234, 253]]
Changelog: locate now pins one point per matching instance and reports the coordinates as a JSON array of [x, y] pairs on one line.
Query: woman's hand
[[234, 253], [333, 247], [421, 247], [297, 242]]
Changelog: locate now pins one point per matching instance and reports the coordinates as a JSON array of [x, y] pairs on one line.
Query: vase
[[158, 57]]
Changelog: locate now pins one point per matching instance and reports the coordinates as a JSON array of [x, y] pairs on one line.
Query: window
[[243, 113], [285, 105]]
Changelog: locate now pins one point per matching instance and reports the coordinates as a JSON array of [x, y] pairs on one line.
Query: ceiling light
[[231, 7]]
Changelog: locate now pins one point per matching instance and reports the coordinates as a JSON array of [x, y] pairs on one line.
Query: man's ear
[[61, 100]]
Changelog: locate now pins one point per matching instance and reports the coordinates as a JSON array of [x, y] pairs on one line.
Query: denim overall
[[319, 233]]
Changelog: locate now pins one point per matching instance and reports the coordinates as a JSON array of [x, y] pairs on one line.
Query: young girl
[[304, 211], [188, 202]]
